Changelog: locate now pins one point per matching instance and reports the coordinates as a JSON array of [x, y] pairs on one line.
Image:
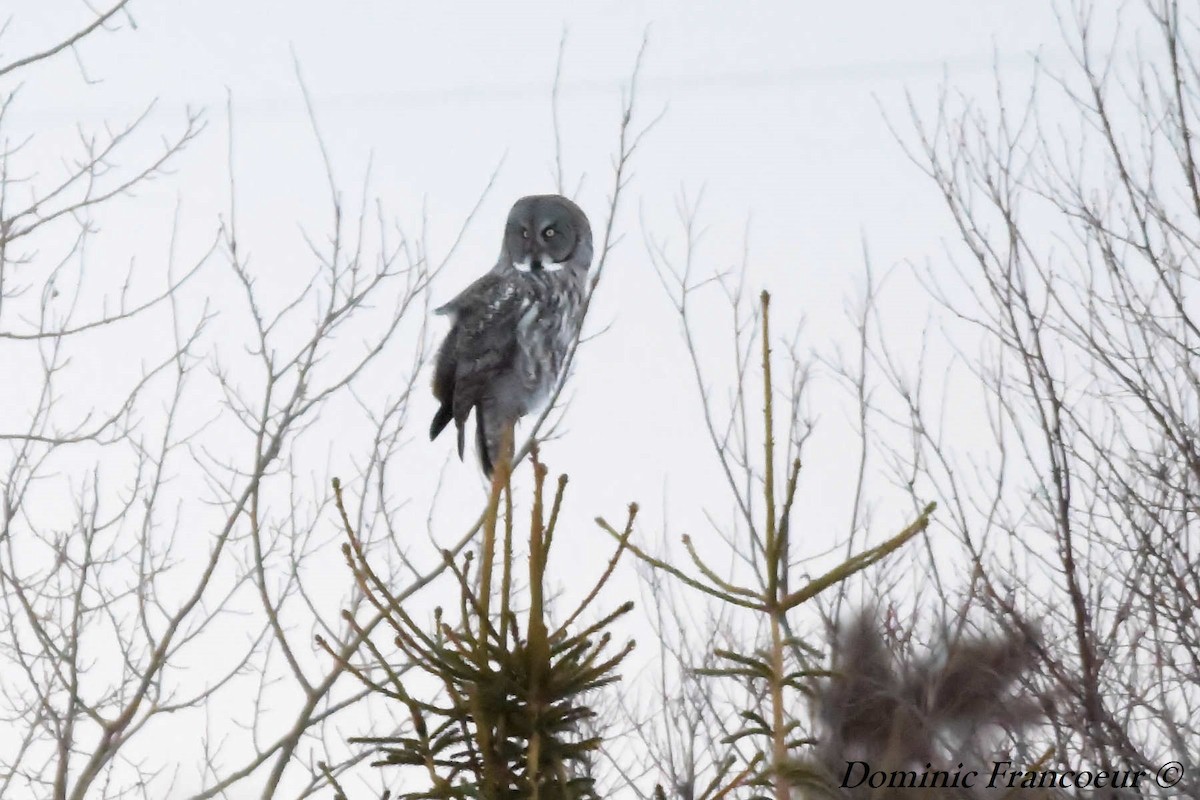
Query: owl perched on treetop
[[511, 329]]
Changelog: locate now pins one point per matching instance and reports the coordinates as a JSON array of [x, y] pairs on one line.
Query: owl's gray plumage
[[511, 329]]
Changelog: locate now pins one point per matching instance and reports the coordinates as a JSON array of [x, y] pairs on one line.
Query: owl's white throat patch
[[526, 265]]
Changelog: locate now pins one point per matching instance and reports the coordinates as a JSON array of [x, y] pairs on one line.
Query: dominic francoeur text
[[1002, 774]]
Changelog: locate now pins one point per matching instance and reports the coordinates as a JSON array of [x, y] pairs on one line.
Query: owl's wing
[[481, 346], [465, 309], [474, 298], [443, 382]]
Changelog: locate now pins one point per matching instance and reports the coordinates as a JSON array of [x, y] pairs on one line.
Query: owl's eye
[[549, 232], [525, 233]]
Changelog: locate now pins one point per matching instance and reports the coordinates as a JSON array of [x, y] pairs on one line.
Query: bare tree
[[1077, 204], [158, 534], [168, 456]]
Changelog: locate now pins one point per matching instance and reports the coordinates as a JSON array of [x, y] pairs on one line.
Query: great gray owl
[[511, 329]]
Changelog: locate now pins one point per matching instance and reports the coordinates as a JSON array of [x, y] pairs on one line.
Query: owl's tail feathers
[[440, 420], [481, 443], [493, 439]]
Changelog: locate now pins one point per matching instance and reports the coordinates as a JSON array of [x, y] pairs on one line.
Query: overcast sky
[[778, 112]]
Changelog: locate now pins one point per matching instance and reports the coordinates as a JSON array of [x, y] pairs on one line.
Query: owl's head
[[546, 232]]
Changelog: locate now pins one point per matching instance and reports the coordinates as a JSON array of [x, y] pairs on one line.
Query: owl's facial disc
[[542, 234], [545, 244]]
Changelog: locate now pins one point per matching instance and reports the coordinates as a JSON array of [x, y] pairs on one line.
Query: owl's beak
[[530, 263], [534, 257]]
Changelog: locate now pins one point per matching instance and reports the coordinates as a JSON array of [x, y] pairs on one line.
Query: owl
[[511, 329]]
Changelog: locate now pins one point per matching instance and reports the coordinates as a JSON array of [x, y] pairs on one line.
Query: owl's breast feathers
[[507, 343]]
